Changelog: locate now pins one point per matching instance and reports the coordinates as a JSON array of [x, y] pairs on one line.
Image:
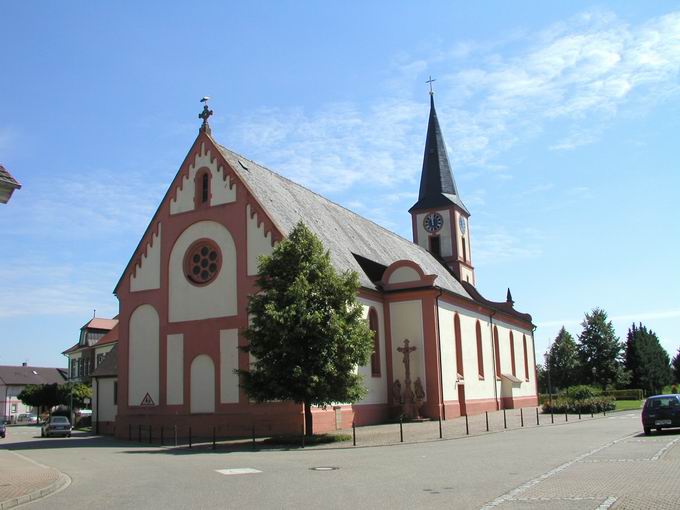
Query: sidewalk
[[23, 480]]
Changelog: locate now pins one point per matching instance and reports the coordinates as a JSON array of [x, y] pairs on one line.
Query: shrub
[[588, 405], [581, 392], [625, 394]]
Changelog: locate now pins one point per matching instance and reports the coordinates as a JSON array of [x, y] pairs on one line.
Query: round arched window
[[202, 262]]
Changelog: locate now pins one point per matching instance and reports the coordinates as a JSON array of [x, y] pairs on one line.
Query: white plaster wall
[[218, 298], [448, 351], [526, 388], [258, 243], [202, 384], [106, 410], [223, 190], [446, 244], [406, 321], [147, 274], [376, 386], [144, 355], [404, 274], [228, 363], [175, 370], [467, 275]]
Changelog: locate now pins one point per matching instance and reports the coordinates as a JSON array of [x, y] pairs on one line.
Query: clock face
[[433, 222], [461, 224]]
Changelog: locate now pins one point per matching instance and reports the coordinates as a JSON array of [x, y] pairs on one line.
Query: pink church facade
[[183, 301]]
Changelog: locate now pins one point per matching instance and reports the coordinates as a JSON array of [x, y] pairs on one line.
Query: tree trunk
[[309, 429]]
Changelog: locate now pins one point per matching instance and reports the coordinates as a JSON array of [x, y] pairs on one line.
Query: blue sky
[[561, 122]]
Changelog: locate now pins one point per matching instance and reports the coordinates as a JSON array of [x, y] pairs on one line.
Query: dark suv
[[3, 429], [661, 412]]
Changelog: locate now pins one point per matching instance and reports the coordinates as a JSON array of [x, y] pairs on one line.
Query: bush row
[[587, 405], [625, 394]]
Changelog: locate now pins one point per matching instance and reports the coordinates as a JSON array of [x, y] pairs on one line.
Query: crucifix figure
[[430, 81], [406, 351], [205, 114], [408, 402]]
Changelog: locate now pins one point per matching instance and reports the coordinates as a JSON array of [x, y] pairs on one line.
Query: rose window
[[202, 262]]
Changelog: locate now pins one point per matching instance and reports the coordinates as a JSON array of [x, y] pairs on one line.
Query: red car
[[661, 412]]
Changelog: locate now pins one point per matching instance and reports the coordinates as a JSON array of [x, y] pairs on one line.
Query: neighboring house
[[97, 337], [184, 296], [7, 185], [14, 379], [105, 393]]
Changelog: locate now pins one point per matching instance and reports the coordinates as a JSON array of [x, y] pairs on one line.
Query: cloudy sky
[[561, 123]]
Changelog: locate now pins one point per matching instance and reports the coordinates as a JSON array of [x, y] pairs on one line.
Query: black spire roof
[[437, 187]]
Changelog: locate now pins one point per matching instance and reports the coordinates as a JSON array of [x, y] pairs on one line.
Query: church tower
[[440, 219]]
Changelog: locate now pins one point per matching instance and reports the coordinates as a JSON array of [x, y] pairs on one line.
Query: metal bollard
[[189, 436], [521, 417], [214, 445], [175, 436], [354, 434], [487, 420], [303, 435], [566, 416], [253, 432], [538, 421], [401, 429], [592, 415], [440, 427], [467, 425], [505, 420], [579, 413], [552, 415]]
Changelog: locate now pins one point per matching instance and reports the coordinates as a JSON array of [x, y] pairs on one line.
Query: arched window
[[435, 246], [375, 357], [512, 354], [497, 351], [526, 358], [205, 188], [202, 185], [459, 347], [480, 352]]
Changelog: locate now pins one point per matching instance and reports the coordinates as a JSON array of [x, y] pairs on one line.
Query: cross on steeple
[[204, 115], [430, 81]]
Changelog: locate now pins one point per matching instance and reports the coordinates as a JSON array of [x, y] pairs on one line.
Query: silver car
[[56, 426]]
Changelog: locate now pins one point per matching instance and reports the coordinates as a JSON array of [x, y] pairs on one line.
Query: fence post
[[521, 417], [189, 436], [354, 434], [486, 413], [401, 429], [505, 420], [467, 425]]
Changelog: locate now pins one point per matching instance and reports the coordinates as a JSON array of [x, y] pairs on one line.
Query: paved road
[[595, 464]]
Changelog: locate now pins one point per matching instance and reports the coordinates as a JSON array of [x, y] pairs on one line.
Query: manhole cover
[[324, 468]]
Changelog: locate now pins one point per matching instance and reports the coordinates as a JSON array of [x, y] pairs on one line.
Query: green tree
[[42, 396], [676, 367], [599, 350], [647, 360], [307, 333], [562, 361], [76, 393]]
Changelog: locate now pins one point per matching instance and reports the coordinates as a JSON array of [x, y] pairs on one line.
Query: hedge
[[625, 394], [587, 405]]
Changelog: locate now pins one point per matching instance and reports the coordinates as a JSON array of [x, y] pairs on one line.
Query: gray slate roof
[[21, 376], [341, 231], [6, 178]]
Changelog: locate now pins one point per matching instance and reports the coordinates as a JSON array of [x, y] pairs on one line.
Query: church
[[184, 294]]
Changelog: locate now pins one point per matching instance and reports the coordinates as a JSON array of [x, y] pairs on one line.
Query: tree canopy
[[562, 361], [307, 333], [50, 395], [599, 350], [647, 360], [676, 367]]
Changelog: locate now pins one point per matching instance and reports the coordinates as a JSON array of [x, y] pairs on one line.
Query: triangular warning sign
[[147, 401]]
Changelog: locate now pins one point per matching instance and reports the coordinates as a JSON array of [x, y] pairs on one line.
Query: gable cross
[[430, 81], [204, 115]]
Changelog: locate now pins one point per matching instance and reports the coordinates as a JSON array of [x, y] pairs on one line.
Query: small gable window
[[375, 357], [202, 188]]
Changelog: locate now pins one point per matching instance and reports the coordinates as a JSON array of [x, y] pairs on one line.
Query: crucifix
[[430, 81], [406, 351]]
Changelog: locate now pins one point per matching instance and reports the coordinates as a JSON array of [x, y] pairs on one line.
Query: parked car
[[29, 419], [3, 429], [56, 426], [661, 412]]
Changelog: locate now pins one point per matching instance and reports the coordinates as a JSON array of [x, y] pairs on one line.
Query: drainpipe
[[533, 348], [442, 408], [493, 355]]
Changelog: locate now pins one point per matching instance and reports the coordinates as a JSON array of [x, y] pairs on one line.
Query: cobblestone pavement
[[23, 480], [637, 471]]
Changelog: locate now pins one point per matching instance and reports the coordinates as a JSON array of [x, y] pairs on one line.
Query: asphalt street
[[543, 467]]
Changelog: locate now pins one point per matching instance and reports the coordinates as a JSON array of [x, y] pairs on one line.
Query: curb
[[61, 483]]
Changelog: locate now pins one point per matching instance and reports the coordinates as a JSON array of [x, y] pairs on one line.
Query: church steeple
[[440, 219], [437, 186]]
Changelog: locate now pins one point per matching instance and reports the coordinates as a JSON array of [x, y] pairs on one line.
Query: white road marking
[[238, 471], [512, 495]]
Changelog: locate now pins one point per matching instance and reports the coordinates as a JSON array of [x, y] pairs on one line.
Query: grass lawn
[[627, 405]]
